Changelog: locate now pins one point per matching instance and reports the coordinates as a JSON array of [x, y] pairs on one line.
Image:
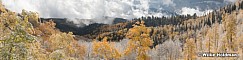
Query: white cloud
[[168, 2], [97, 10], [191, 11], [230, 0], [83, 9]]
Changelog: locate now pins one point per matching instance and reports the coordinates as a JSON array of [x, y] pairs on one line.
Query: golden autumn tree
[[210, 41], [216, 36], [229, 22], [63, 45], [16, 43], [105, 50], [26, 38], [60, 45], [31, 17], [240, 41], [190, 49], [139, 41], [55, 44]]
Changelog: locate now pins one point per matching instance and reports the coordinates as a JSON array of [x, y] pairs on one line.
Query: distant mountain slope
[[93, 30]]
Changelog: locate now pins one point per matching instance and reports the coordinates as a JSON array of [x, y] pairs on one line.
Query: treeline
[[180, 23]]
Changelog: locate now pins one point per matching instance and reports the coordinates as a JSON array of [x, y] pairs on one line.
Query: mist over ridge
[[104, 11]]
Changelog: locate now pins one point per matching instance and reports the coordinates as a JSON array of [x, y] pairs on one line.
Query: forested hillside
[[24, 36]]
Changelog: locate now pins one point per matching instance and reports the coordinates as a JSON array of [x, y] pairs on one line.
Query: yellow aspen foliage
[[216, 36], [80, 51], [47, 28], [210, 42], [2, 9], [18, 43], [56, 41], [37, 52], [13, 45], [66, 43], [230, 27], [224, 45], [105, 50], [31, 17], [73, 49], [190, 50], [240, 41], [139, 41]]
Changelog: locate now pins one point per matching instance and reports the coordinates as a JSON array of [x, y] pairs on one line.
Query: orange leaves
[[130, 48], [142, 53], [66, 42], [47, 27], [56, 42], [105, 49], [81, 50], [139, 41]]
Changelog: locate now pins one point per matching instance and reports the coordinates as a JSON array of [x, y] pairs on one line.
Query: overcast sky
[[91, 9]]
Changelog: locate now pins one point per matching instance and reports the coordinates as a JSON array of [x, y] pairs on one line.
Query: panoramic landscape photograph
[[121, 29]]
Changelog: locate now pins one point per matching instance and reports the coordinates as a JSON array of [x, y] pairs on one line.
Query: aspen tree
[[139, 41], [190, 49], [230, 26], [105, 50]]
